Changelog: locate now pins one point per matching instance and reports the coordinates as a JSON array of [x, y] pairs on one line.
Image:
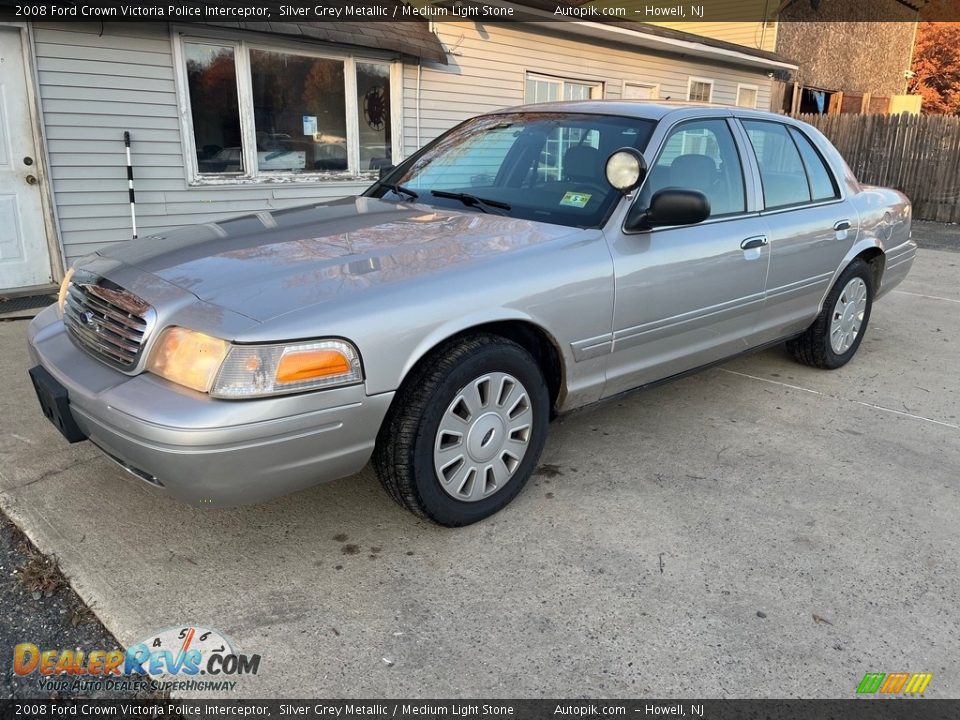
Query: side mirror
[[672, 206], [386, 170], [625, 169]]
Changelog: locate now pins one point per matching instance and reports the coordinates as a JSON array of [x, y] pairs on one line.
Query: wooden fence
[[917, 154]]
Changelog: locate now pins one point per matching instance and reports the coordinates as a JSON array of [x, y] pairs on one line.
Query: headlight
[[188, 358], [259, 370], [236, 372], [62, 295]]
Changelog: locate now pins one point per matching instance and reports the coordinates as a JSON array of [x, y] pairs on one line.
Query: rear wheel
[[465, 431], [837, 332]]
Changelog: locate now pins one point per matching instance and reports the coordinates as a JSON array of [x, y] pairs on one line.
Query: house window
[[747, 96], [256, 112], [548, 89], [700, 90], [640, 91], [212, 83]]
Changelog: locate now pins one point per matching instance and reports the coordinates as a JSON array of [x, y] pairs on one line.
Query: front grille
[[107, 321]]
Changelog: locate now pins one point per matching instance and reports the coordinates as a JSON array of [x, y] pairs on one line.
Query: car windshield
[[536, 166]]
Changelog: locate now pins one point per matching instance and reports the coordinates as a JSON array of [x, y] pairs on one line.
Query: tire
[[416, 449], [818, 346]]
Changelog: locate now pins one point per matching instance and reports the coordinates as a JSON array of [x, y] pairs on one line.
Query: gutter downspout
[[419, 74]]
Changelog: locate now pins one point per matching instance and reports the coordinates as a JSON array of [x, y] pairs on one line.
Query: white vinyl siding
[[490, 66], [97, 81], [751, 34]]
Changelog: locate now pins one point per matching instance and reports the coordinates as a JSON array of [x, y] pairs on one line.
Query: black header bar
[[855, 709], [600, 11]]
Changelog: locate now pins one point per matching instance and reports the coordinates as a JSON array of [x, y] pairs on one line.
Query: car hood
[[273, 262]]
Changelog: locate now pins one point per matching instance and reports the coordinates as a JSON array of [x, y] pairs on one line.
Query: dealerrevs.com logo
[[178, 658]]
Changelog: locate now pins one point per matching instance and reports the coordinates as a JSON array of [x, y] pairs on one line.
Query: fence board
[[917, 154]]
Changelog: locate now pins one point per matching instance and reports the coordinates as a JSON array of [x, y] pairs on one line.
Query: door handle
[[31, 179], [753, 242], [841, 225]]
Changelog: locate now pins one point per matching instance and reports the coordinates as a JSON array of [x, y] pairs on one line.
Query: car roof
[[646, 109]]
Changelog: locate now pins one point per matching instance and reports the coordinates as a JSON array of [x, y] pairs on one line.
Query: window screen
[[700, 91]]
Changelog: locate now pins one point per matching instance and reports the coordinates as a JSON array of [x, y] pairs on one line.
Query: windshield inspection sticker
[[575, 199]]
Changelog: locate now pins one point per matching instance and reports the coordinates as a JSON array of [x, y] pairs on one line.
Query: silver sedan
[[526, 263]]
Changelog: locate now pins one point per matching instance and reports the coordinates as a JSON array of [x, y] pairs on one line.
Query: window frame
[[691, 79], [792, 130], [252, 175], [756, 162], [654, 87], [597, 87], [756, 96], [746, 173]]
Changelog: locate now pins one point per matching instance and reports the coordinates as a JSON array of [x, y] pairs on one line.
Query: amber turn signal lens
[[310, 364]]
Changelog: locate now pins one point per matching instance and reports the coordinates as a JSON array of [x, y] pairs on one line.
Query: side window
[[700, 155], [782, 173], [822, 184]]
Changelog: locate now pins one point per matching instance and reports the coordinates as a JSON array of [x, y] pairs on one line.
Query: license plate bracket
[[55, 404]]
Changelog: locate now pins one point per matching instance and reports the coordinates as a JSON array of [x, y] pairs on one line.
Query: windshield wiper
[[398, 189], [471, 200]]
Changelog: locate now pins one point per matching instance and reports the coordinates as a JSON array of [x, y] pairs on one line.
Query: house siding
[[488, 65], [95, 83], [751, 34]]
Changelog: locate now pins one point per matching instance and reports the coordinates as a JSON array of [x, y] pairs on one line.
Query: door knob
[[31, 180]]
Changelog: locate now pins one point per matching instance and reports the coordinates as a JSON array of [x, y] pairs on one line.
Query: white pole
[[133, 196]]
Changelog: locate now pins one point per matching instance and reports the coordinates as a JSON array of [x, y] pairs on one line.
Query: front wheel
[[465, 431], [837, 332]]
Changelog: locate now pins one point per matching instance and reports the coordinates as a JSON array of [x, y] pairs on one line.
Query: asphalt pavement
[[761, 529]]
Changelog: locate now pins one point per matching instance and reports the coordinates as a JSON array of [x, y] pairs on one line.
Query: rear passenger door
[[810, 226]]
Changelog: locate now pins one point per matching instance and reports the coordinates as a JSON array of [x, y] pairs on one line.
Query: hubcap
[[483, 436], [848, 315]]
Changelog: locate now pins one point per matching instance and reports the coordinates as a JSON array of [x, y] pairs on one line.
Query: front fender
[[476, 319]]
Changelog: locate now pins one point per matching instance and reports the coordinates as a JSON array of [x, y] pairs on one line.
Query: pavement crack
[[910, 415], [55, 471], [928, 297]]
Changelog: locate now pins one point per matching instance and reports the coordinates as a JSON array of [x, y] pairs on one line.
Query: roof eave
[[638, 38]]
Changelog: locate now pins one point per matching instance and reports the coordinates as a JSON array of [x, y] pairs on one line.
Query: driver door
[[687, 296]]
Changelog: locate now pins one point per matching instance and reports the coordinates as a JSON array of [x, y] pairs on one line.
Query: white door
[[24, 257], [640, 91]]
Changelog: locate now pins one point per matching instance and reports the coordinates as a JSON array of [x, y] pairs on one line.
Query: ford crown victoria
[[526, 263]]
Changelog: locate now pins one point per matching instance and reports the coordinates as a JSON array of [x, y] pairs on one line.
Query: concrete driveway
[[759, 529]]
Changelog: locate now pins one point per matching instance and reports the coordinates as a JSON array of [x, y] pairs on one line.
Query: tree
[[936, 67]]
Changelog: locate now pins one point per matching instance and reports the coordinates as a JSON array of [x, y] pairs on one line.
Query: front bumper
[[204, 451]]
